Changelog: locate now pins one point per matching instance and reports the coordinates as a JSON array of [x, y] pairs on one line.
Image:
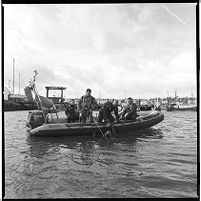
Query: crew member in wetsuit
[[130, 110], [105, 113], [85, 106], [71, 112]]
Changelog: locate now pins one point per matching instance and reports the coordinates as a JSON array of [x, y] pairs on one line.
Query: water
[[158, 162]]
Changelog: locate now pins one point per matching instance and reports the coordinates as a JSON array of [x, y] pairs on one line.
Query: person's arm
[[124, 110], [73, 108], [115, 109], [116, 113], [80, 103], [121, 109], [94, 103], [67, 110], [105, 107]]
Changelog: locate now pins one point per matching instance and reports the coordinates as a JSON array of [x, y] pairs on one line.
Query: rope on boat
[[99, 128], [113, 129]]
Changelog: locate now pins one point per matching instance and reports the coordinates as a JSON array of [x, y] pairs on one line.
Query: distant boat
[[13, 101], [18, 102], [186, 107], [174, 106], [147, 107]]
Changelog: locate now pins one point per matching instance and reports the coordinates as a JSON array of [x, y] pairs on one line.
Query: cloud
[[184, 62], [115, 47]]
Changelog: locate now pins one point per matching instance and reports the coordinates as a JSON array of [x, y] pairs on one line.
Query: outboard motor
[[35, 119]]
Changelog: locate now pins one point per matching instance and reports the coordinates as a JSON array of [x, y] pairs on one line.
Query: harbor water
[[157, 162]]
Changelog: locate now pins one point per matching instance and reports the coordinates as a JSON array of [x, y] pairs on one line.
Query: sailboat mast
[[175, 94], [9, 87], [99, 94], [19, 83], [13, 75]]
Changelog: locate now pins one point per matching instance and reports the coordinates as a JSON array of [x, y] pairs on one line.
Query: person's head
[[130, 100], [115, 102], [72, 101], [88, 92]]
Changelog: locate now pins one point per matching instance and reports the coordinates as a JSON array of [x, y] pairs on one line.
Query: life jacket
[[86, 101]]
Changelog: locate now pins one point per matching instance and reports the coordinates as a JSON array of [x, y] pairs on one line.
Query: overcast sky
[[143, 49]]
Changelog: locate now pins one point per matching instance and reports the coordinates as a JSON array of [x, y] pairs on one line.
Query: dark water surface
[[158, 162]]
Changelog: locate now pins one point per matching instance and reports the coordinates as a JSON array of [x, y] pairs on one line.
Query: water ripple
[[156, 162]]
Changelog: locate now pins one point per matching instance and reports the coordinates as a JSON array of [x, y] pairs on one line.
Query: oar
[[98, 127], [113, 129]]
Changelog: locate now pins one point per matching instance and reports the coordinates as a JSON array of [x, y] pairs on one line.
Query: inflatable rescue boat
[[46, 122], [37, 126]]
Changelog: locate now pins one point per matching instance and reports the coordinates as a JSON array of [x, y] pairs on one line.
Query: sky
[[117, 50]]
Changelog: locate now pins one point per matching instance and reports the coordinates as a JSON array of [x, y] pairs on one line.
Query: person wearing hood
[[105, 113]]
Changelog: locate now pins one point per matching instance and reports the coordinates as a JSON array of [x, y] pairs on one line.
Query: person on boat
[[85, 106], [105, 113], [71, 112], [130, 110]]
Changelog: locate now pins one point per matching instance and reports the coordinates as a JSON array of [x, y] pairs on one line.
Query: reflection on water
[[40, 147], [156, 162]]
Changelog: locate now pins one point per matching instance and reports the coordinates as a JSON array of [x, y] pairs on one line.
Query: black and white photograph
[[99, 100]]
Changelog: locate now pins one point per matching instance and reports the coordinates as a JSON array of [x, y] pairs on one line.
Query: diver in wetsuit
[[71, 112], [85, 105], [105, 113], [130, 111]]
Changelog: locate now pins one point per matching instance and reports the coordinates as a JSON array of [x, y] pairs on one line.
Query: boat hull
[[186, 108], [183, 108], [72, 129]]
